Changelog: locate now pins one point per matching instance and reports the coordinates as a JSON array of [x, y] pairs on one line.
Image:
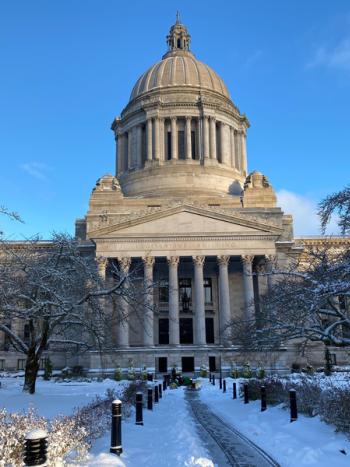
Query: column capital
[[270, 258], [198, 260], [173, 118], [188, 118], [247, 260], [124, 263], [223, 260], [102, 262], [148, 260], [173, 260], [206, 117], [212, 118]]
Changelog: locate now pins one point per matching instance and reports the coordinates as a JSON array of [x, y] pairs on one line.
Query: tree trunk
[[31, 372]]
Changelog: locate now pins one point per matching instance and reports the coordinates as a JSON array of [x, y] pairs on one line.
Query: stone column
[[149, 139], [232, 144], [174, 331], [161, 139], [174, 151], [138, 163], [269, 264], [224, 299], [224, 144], [124, 307], [129, 164], [156, 139], [200, 338], [148, 338], [243, 152], [205, 137], [213, 138], [247, 261], [237, 151], [188, 138], [120, 154]]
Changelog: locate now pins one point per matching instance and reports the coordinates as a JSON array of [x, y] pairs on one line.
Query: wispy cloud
[[304, 212], [337, 57], [36, 170]]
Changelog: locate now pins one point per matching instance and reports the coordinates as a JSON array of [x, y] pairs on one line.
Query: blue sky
[[68, 66]]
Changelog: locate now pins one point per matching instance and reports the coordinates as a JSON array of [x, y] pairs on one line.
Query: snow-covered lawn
[[169, 436], [307, 441]]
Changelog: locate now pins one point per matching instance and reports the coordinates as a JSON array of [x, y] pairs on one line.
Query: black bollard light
[[224, 386], [149, 376], [160, 391], [263, 398], [164, 383], [234, 391], [246, 394], [213, 380], [149, 399], [116, 429], [293, 405], [35, 447], [139, 418], [220, 382], [209, 377], [156, 394]]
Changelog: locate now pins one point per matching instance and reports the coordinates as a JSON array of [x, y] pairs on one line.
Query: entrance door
[[187, 364], [212, 364], [186, 331], [163, 364]]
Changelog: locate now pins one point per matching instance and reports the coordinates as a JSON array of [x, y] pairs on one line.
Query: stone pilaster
[[224, 300], [161, 139], [138, 146], [247, 261], [198, 262], [244, 152], [232, 145], [120, 153], [148, 338], [129, 162], [213, 138], [174, 142], [124, 306], [188, 138], [174, 331], [270, 261]]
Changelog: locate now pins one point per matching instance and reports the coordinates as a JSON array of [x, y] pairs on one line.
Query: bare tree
[[336, 203], [56, 291]]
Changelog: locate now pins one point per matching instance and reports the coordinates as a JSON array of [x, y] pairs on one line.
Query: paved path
[[227, 445]]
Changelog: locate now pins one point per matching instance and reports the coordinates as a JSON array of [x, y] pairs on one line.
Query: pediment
[[185, 220]]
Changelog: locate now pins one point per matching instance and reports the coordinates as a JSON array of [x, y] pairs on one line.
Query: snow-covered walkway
[[227, 446]]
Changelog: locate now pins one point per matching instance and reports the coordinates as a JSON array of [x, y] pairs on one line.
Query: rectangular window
[[193, 144], [163, 331], [42, 364], [334, 358], [208, 291], [21, 364], [168, 146], [181, 144], [163, 292], [209, 330], [185, 294], [186, 331], [2, 364], [26, 334]]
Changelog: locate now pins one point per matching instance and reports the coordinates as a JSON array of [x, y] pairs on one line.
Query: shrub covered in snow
[[65, 436], [275, 389], [334, 407]]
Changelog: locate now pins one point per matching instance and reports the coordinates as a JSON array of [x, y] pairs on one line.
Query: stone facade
[[183, 207]]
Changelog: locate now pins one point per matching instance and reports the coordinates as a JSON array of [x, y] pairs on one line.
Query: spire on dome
[[178, 37]]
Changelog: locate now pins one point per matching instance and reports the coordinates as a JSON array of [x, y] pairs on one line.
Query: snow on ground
[[167, 439], [305, 442], [52, 398]]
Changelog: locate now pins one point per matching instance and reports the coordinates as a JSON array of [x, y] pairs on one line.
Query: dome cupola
[[180, 134]]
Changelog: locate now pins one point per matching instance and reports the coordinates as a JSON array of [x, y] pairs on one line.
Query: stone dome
[[179, 68]]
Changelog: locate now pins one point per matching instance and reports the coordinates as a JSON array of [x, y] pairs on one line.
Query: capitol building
[[185, 209]]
